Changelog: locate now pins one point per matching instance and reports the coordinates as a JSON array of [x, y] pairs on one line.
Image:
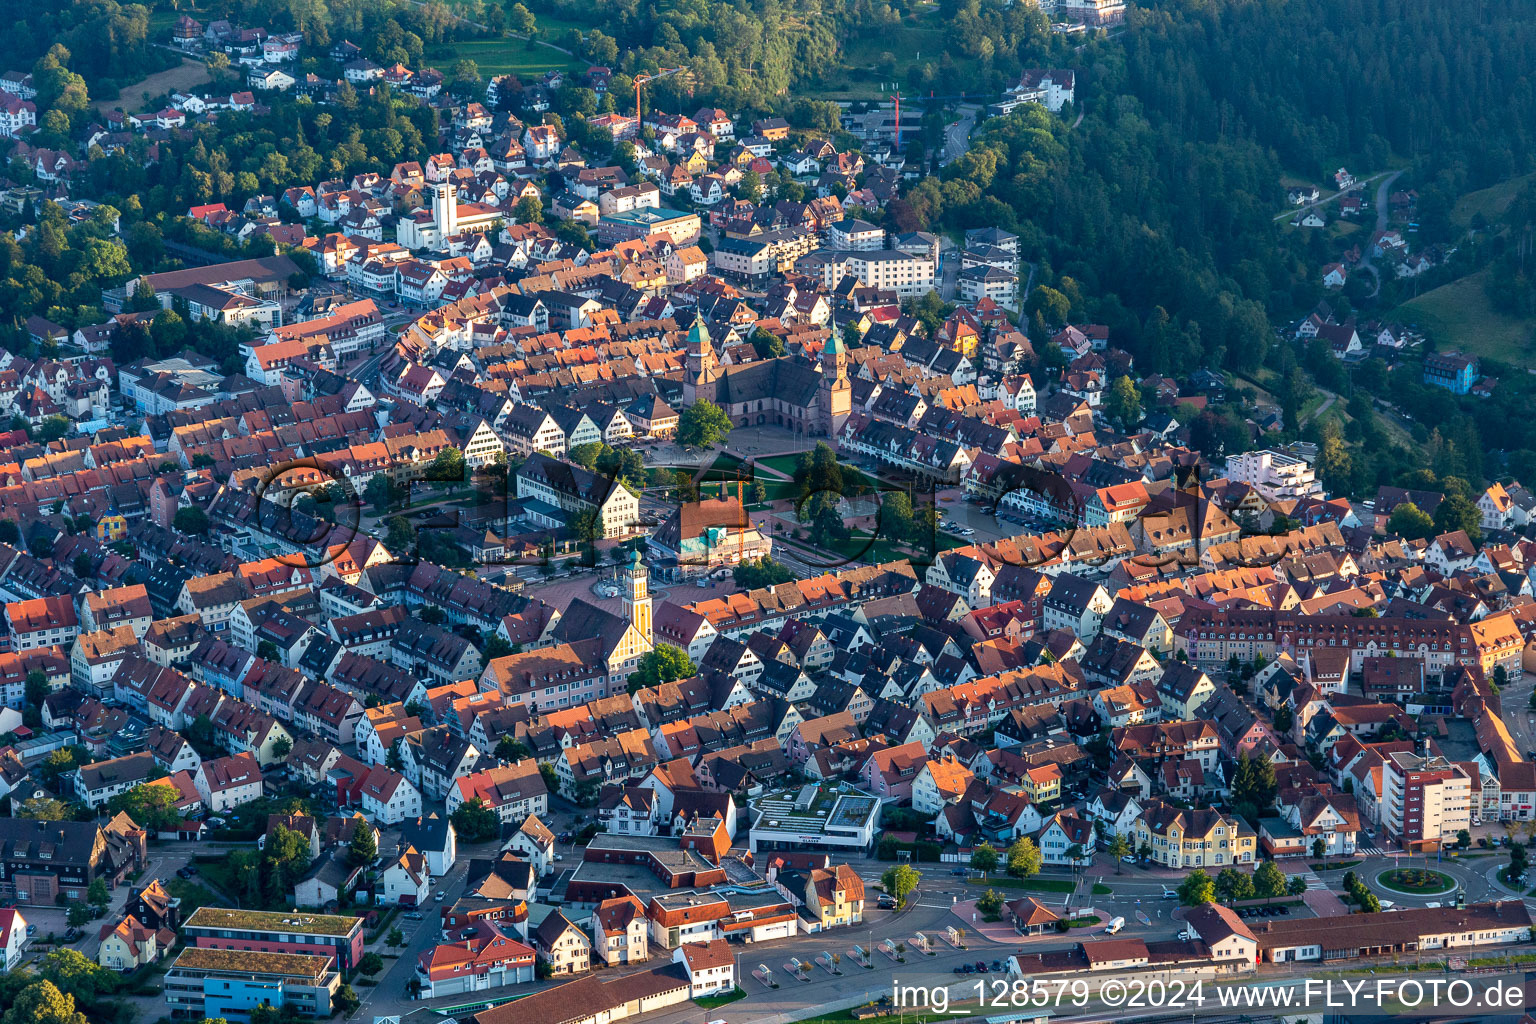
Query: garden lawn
[[504, 57]]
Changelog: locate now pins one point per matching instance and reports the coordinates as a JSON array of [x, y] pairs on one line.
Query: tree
[[1233, 885], [96, 893], [520, 19], [664, 664], [448, 468], [1023, 858], [1283, 719], [1123, 402], [1197, 890], [1296, 885], [757, 573], [56, 764], [990, 903], [78, 915], [346, 1000], [37, 688], [371, 964], [1410, 522], [42, 1003], [1463, 839], [150, 805], [395, 760], [191, 520], [396, 937], [42, 808], [1253, 785], [984, 858], [400, 536], [364, 845], [510, 749], [1319, 848], [551, 779], [1268, 881], [475, 822], [529, 210], [1518, 861], [1457, 512], [703, 425], [899, 881], [1119, 849]]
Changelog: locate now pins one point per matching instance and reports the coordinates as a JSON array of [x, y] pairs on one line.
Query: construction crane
[[645, 79]]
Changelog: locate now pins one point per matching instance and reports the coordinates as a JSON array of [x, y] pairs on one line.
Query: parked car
[[412, 915], [440, 895]]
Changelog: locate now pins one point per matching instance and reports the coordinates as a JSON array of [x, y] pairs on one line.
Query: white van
[[1114, 926]]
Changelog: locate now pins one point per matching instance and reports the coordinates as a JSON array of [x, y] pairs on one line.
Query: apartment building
[[1426, 799]]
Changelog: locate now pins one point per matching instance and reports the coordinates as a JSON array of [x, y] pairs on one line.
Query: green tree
[[984, 858], [396, 937], [1197, 889], [1253, 785], [346, 1000], [448, 468], [370, 964], [1410, 522], [529, 210], [663, 664], [1023, 858], [1457, 512], [899, 881], [1268, 881], [42, 808], [475, 822], [77, 915], [1119, 849], [1233, 885], [755, 574], [551, 779], [512, 749], [191, 520], [990, 903], [1122, 402], [42, 1003], [1319, 848], [150, 805], [364, 845], [702, 425]]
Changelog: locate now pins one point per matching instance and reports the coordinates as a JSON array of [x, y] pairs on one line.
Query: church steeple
[[834, 396], [637, 597], [699, 382]]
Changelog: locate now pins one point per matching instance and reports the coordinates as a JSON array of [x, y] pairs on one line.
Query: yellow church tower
[[834, 397], [637, 597]]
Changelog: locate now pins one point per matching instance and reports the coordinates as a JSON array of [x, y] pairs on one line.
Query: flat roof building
[[229, 983]]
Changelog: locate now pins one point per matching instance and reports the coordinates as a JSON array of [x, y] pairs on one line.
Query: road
[[957, 136], [1368, 256], [1330, 197]]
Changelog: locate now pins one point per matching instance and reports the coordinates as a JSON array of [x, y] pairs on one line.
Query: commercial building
[[648, 222], [813, 818], [338, 937], [231, 983]]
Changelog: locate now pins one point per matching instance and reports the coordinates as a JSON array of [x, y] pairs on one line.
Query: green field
[[918, 40], [1459, 316], [506, 57], [1490, 202]]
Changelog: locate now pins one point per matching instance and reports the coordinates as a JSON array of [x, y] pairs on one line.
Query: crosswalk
[[1314, 883], [1369, 851]]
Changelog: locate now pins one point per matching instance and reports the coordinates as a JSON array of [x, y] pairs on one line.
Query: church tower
[[834, 397], [637, 597], [699, 381], [445, 210]]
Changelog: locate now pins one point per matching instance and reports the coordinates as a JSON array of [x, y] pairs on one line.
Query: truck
[[1114, 926]]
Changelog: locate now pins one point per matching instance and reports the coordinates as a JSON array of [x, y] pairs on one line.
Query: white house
[[711, 967], [407, 882]]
